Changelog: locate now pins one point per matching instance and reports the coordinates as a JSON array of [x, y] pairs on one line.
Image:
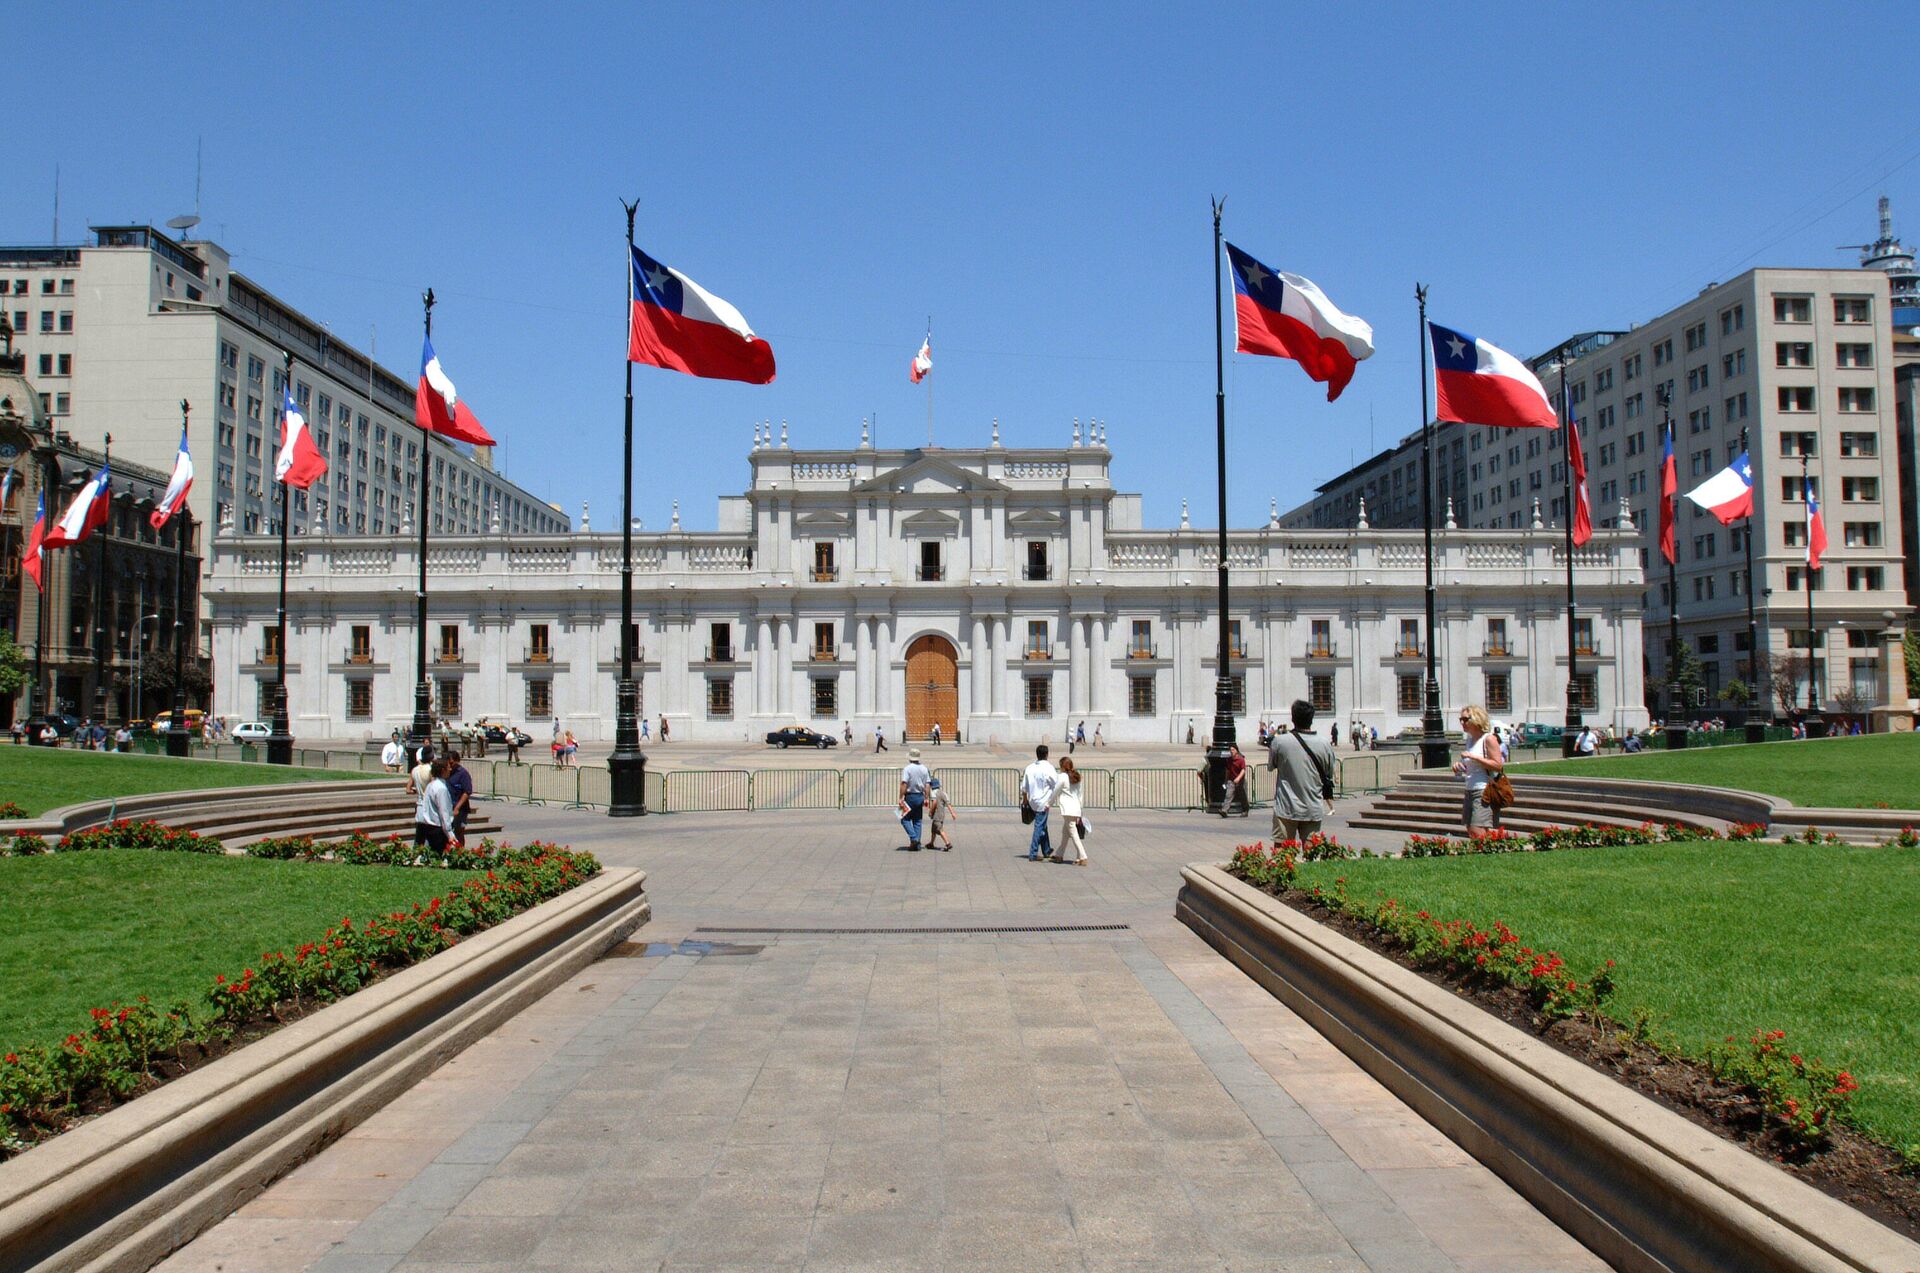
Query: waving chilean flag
[[1478, 383], [1728, 494], [1669, 492], [679, 325], [1816, 531], [1582, 510], [300, 462], [85, 515], [1287, 316], [177, 487], [31, 561], [437, 407]]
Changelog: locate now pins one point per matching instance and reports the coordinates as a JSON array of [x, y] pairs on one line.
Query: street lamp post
[[1433, 729], [102, 701], [1220, 794], [1815, 725], [1676, 697], [420, 731], [179, 742], [1756, 728]]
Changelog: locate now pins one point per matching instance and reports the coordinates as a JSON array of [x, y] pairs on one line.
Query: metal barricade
[[869, 788], [709, 790], [595, 786], [980, 788], [553, 784], [795, 789], [1157, 789]]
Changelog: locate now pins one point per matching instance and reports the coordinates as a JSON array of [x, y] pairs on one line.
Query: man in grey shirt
[[913, 797], [1303, 768]]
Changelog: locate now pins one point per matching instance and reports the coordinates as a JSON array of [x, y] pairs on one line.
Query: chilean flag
[[1582, 510], [31, 561], [300, 463], [177, 487], [1669, 492], [1728, 494], [1816, 532], [437, 407], [1478, 383], [679, 325], [85, 515], [922, 361], [1286, 316]]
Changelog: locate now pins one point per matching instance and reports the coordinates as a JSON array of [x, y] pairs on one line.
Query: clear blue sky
[[1037, 183]]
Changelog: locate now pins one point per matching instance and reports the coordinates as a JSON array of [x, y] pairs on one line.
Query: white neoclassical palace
[[1004, 594]]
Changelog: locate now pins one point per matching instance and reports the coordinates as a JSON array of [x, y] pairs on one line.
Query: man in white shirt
[[1037, 785], [391, 754], [1587, 743], [913, 797]]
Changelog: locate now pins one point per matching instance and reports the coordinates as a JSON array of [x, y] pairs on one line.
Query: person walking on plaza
[[1098, 740], [1333, 735], [422, 771], [914, 781], [879, 739], [433, 813], [936, 733], [1066, 798], [513, 745], [663, 727], [1482, 761], [1587, 743], [391, 755], [646, 729], [940, 811], [1037, 783], [1303, 768], [849, 729], [460, 793], [1237, 795]]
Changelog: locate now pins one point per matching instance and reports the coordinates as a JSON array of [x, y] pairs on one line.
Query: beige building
[[116, 333]]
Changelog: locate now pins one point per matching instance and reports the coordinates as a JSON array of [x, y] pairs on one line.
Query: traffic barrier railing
[[869, 788], [980, 788], [1157, 789], [553, 784], [709, 790], [795, 788]]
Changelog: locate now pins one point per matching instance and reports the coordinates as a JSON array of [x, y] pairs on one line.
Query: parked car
[[252, 731], [499, 733], [800, 736], [63, 725], [1538, 734]]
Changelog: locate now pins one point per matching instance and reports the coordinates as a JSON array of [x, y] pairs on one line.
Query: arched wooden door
[[933, 687]]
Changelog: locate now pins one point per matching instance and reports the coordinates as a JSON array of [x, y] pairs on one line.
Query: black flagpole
[[280, 740], [102, 699], [1816, 728], [1756, 728], [627, 767], [1433, 730], [1219, 795], [178, 740], [42, 704], [1571, 735], [420, 732], [1676, 700]]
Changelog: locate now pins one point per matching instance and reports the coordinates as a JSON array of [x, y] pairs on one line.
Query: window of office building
[[1793, 309], [1852, 309], [1856, 399], [720, 643], [1859, 490], [1862, 535], [1037, 647], [1140, 696], [1409, 637], [823, 567], [826, 696], [1795, 397], [823, 642], [1733, 320], [929, 560], [1853, 355], [1583, 635], [1859, 445], [1409, 694], [1141, 645], [359, 699], [539, 643], [1320, 693], [1865, 578], [1320, 637], [539, 699], [1039, 695]]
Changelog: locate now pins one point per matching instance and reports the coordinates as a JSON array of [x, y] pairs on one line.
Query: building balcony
[[1142, 652], [930, 574], [1037, 653], [358, 655], [1316, 651], [538, 654], [1407, 650], [1586, 649], [1036, 574], [823, 656], [1497, 650], [268, 658], [719, 654], [829, 575]]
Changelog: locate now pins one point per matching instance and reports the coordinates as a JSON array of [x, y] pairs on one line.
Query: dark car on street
[[63, 725], [800, 736], [498, 734]]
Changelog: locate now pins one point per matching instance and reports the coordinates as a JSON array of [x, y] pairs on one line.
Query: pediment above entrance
[[1036, 519], [930, 522], [823, 521], [931, 475]]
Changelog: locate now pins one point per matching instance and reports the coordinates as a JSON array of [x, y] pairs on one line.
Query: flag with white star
[[1475, 382], [1286, 316], [677, 324]]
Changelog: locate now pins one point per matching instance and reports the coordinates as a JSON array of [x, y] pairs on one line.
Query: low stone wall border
[[121, 1191], [1638, 1184]]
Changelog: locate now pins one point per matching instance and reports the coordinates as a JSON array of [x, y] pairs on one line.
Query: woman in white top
[[1477, 765], [1066, 798], [433, 815]]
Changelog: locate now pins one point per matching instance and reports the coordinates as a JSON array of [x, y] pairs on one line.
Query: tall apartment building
[[118, 332]]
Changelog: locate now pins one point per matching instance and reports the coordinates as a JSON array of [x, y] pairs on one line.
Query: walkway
[[1051, 1095]]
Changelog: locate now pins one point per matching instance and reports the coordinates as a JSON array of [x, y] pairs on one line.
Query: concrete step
[[1561, 810]]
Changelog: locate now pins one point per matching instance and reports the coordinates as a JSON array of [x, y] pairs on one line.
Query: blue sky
[[1034, 179]]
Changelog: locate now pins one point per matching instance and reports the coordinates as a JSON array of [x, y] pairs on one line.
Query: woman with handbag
[[1483, 768]]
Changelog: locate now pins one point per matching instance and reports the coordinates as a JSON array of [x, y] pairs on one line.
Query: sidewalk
[[1049, 1095]]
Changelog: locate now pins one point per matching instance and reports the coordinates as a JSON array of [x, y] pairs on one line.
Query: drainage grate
[[913, 932], [660, 950]]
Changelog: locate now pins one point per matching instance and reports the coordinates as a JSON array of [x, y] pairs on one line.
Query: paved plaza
[[828, 1053]]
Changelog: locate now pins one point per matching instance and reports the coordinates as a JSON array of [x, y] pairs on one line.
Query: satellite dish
[[183, 223]]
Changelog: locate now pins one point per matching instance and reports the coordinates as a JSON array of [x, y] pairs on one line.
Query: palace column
[[1096, 661], [862, 666], [982, 663], [882, 677], [763, 664], [997, 661], [1076, 666], [783, 665]]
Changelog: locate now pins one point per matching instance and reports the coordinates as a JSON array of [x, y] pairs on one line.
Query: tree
[[1849, 700], [14, 676], [1786, 676], [1910, 645], [1688, 674], [1737, 694], [157, 676]]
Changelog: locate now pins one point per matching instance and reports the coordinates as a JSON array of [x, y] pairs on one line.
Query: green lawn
[[1872, 771], [1713, 940], [42, 778], [80, 930]]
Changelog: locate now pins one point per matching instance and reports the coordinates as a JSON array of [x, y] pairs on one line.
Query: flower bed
[[361, 849], [122, 834], [1758, 1091], [127, 1049], [1585, 836]]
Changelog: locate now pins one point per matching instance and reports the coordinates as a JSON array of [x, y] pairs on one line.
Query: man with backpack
[[1303, 768]]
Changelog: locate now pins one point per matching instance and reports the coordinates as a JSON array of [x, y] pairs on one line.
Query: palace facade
[[1004, 594]]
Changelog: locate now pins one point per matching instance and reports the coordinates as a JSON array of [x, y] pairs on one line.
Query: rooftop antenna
[[56, 205], [197, 144], [184, 224]]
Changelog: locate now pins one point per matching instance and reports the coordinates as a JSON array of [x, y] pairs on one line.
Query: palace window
[[359, 700], [360, 647], [826, 696], [1037, 647], [449, 696], [539, 699], [824, 570], [1237, 694], [1497, 636], [1141, 645], [539, 643], [719, 697], [1140, 696], [720, 643], [449, 644], [1039, 696], [1320, 693], [1037, 559], [1499, 692], [824, 649], [1409, 646], [1583, 636], [1409, 693], [929, 561], [265, 701], [1320, 638], [1585, 693]]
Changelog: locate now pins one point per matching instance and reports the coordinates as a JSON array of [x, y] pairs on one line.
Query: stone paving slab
[[911, 1099]]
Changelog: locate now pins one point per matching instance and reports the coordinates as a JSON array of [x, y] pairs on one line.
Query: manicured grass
[[80, 930], [43, 778], [1872, 771], [1712, 940]]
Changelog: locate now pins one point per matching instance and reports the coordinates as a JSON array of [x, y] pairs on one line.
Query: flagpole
[[280, 740], [929, 381], [1806, 502], [1756, 729], [420, 731], [1676, 728], [1219, 795], [178, 740], [627, 767], [42, 704], [101, 700], [1433, 730], [1570, 736]]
